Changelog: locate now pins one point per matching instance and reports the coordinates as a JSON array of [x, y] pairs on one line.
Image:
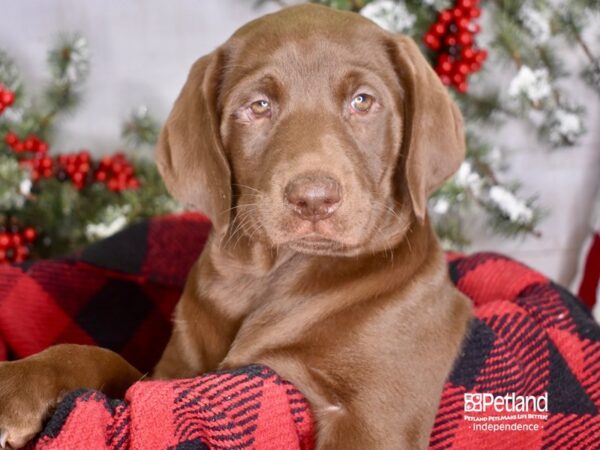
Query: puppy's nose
[[313, 197]]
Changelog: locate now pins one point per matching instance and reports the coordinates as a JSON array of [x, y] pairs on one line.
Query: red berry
[[467, 53], [18, 147], [463, 23], [4, 240], [113, 185], [475, 12], [465, 38], [445, 16], [16, 239], [11, 139], [30, 144], [463, 68], [458, 78], [30, 234], [432, 42], [445, 66], [438, 29], [429, 38], [7, 98], [450, 41], [42, 147]]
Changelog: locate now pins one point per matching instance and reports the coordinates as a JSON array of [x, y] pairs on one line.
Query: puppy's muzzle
[[313, 197]]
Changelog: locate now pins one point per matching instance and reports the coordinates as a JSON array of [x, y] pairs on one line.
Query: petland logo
[[507, 403]]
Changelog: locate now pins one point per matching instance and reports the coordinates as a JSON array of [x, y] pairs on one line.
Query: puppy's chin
[[324, 237], [333, 236], [318, 245]]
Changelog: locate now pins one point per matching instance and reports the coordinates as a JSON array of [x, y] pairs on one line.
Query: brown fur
[[356, 310]]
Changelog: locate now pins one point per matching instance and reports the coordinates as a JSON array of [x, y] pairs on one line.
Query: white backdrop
[[142, 50]]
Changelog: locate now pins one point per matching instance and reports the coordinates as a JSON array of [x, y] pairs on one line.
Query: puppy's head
[[313, 129]]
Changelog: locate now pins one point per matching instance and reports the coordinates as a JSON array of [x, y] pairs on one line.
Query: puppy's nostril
[[313, 197]]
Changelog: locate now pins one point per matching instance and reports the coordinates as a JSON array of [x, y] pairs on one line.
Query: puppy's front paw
[[29, 389]]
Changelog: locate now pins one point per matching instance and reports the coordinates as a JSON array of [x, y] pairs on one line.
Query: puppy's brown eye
[[261, 108], [362, 103]]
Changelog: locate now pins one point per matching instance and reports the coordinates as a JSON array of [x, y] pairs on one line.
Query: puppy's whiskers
[[243, 211], [248, 187]]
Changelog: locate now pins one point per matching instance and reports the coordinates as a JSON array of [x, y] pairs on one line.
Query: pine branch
[[9, 75], [484, 108], [69, 66], [570, 24], [501, 223], [140, 129]]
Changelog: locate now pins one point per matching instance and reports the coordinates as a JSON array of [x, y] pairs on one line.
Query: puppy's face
[[312, 129], [312, 132]]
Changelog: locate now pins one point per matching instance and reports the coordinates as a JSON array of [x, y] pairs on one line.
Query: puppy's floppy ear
[[433, 142], [190, 154]]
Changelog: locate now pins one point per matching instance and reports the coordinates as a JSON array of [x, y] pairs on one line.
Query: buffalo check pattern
[[529, 337]]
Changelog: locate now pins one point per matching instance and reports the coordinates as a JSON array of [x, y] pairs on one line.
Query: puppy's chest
[[243, 296], [287, 312]]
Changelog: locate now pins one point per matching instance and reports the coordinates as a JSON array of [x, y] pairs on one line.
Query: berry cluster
[[40, 163], [453, 37], [7, 98], [31, 143], [15, 242], [117, 173], [76, 167], [41, 166]]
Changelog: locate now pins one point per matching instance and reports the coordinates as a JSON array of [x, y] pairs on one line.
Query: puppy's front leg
[[202, 332], [199, 341], [30, 388]]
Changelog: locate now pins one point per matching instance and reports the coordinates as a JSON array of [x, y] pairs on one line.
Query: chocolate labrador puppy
[[312, 138]]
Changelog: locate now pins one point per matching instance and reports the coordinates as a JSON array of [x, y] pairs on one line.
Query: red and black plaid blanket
[[530, 340]]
